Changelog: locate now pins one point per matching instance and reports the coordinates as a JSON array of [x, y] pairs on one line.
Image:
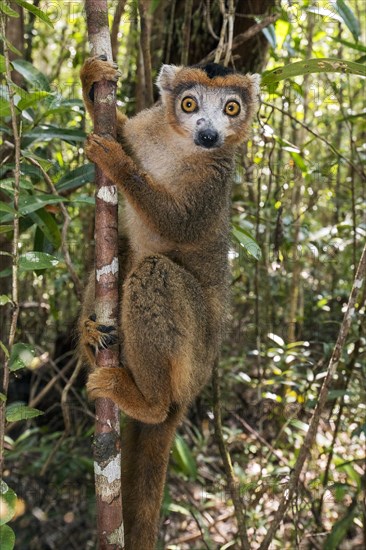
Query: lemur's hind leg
[[163, 324]]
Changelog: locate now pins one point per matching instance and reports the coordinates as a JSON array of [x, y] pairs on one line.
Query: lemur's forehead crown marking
[[212, 75]]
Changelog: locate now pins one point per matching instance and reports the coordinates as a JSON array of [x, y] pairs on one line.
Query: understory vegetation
[[298, 231]]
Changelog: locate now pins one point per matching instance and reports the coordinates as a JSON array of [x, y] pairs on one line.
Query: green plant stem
[[15, 247]]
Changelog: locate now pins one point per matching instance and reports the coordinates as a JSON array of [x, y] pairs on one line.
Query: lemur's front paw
[[100, 149], [96, 69], [103, 383], [96, 335]]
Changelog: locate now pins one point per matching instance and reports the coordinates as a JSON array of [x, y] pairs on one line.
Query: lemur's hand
[[96, 69], [103, 150]]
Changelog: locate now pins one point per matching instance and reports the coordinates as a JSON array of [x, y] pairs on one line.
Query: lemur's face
[[209, 111]]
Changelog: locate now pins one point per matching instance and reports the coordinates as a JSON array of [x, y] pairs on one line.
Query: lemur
[[173, 165]]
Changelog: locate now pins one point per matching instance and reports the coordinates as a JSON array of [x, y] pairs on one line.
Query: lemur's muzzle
[[207, 138]]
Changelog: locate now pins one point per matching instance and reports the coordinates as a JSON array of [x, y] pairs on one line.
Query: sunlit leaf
[[37, 260], [183, 458], [21, 356], [246, 241], [349, 18], [7, 537], [20, 411], [36, 11], [7, 503], [321, 65], [7, 10]]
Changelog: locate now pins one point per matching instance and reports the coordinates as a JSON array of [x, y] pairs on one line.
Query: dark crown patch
[[214, 69]]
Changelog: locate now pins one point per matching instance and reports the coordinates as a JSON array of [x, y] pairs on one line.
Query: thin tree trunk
[[115, 26], [107, 451]]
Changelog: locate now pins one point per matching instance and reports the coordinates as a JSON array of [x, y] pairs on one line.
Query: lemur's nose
[[207, 138]]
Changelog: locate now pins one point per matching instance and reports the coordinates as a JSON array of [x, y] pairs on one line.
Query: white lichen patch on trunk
[[108, 479], [107, 269], [117, 536], [358, 283], [108, 193], [112, 471]]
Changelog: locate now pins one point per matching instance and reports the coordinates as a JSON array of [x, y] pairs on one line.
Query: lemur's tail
[[145, 456]]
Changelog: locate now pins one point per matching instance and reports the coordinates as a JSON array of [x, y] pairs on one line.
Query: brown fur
[[174, 281]]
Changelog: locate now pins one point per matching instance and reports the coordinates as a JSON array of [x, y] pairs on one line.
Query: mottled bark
[[107, 452]]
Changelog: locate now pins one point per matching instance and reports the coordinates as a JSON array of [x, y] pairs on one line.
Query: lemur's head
[[210, 105]]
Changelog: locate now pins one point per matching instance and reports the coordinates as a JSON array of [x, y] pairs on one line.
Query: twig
[[358, 282], [229, 45], [15, 247], [228, 467], [221, 45], [65, 395], [243, 37], [321, 138], [65, 227], [170, 32], [186, 31], [145, 50], [115, 26], [209, 21]]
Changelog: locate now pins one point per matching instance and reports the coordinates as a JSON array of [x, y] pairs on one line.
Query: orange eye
[[232, 108], [189, 105]]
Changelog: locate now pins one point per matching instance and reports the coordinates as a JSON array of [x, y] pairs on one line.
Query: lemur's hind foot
[[95, 336]]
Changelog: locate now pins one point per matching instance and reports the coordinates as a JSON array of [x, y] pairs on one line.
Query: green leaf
[[4, 300], [5, 207], [45, 133], [340, 529], [31, 74], [37, 260], [76, 178], [36, 11], [31, 203], [358, 47], [308, 66], [5, 349], [7, 10], [349, 18], [47, 224], [7, 537], [246, 241], [270, 33], [32, 99], [8, 500], [184, 458], [20, 411], [4, 107], [10, 45], [21, 356], [2, 63]]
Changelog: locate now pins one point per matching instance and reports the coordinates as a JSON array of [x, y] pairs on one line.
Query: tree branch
[[107, 451]]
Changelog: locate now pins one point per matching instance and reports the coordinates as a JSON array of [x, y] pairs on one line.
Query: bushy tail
[[145, 456]]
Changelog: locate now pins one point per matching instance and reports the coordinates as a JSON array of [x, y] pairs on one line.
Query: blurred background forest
[[299, 225]]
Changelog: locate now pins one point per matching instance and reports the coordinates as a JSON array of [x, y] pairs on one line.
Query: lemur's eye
[[232, 108], [189, 104]]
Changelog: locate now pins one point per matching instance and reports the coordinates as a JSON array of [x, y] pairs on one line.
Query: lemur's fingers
[[98, 336], [96, 69], [99, 149], [102, 383]]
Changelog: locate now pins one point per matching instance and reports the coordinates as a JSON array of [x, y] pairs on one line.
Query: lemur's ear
[[166, 76]]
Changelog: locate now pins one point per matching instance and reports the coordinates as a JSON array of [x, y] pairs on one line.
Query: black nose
[[207, 138]]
